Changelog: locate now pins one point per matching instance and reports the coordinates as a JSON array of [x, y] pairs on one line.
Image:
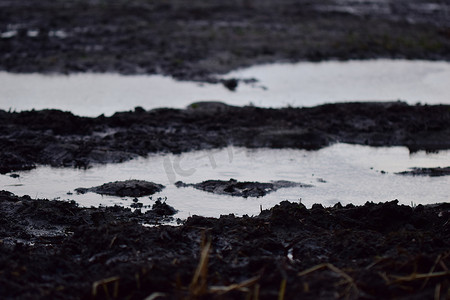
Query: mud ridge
[[127, 188], [432, 172], [244, 189], [57, 138]]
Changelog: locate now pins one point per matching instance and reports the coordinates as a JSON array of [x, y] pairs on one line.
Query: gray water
[[339, 173], [279, 85]]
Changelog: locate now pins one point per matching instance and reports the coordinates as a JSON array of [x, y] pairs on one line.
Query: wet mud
[[432, 172], [127, 188], [57, 250], [244, 189], [195, 40], [375, 251], [62, 139]]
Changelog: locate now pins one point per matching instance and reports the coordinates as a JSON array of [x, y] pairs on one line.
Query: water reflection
[[339, 173], [302, 84]]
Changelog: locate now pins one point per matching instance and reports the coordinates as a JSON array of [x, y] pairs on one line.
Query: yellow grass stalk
[[348, 279], [198, 285], [104, 284]]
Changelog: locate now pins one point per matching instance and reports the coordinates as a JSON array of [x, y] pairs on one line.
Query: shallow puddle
[[339, 173], [279, 85]]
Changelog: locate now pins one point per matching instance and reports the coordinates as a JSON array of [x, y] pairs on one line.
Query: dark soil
[[236, 188], [127, 188], [61, 139], [195, 40], [52, 249], [57, 250], [432, 172]]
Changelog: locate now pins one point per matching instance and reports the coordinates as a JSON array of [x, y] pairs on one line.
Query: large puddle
[[301, 84], [339, 173]]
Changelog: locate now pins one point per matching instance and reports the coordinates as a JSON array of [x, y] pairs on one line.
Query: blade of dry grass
[[437, 292], [438, 261], [348, 279], [104, 284], [198, 284], [418, 276], [155, 295], [282, 289], [256, 292], [243, 286]]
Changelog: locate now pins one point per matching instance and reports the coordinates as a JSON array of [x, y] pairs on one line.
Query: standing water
[[339, 173], [278, 85]]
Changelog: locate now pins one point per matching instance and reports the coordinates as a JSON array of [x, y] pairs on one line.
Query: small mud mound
[[432, 172], [127, 188], [161, 208], [209, 107], [233, 187]]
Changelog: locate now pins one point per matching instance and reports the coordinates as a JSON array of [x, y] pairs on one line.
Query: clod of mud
[[432, 172], [233, 187], [230, 84], [209, 107], [127, 188], [161, 208]]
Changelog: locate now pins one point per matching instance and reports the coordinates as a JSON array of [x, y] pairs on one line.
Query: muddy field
[[197, 39], [57, 250], [61, 139]]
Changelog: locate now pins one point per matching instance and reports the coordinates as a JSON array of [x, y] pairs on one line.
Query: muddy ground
[[56, 250], [195, 40], [61, 139], [51, 249]]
